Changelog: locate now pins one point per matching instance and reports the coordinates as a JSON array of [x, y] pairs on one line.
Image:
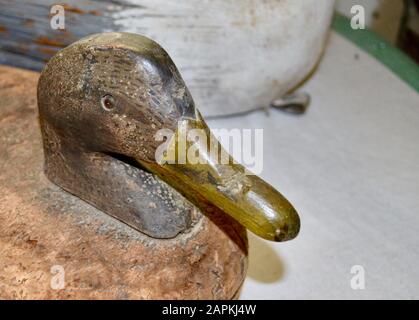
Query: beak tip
[[290, 229]]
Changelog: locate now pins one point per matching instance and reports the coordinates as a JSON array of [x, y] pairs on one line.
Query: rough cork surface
[[42, 226]]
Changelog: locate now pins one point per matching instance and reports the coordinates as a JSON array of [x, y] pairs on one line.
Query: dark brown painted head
[[105, 97], [111, 91]]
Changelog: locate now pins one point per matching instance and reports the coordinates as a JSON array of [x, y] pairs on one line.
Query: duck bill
[[193, 162]]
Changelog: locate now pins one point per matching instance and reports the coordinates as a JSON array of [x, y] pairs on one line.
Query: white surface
[[351, 168], [234, 55]]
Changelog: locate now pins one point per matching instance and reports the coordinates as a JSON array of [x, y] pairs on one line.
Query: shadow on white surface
[[265, 265]]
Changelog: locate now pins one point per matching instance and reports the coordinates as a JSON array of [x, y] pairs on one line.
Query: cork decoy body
[[102, 100]]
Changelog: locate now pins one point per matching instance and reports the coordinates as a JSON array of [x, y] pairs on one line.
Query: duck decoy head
[[103, 102]]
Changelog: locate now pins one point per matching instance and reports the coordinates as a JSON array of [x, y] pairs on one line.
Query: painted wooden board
[[235, 55]]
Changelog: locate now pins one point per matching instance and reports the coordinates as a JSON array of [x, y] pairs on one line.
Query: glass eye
[[107, 102]]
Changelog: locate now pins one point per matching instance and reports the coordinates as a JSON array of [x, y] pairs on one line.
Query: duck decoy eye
[[107, 102]]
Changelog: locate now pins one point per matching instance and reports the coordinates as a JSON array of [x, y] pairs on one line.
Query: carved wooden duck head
[[103, 101]]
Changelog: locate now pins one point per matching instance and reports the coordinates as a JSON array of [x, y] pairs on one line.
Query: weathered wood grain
[[235, 55]]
